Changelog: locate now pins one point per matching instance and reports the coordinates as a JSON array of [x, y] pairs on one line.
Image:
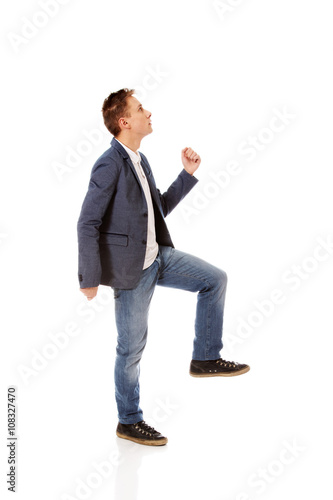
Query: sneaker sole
[[159, 442], [231, 374]]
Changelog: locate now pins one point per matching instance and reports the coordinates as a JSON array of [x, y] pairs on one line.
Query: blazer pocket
[[113, 239]]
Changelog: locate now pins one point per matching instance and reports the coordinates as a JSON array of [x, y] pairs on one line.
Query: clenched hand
[[191, 160]]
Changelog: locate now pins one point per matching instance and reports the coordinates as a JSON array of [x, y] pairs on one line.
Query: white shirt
[[152, 245]]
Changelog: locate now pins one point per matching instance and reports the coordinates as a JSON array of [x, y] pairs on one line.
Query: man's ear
[[122, 123]]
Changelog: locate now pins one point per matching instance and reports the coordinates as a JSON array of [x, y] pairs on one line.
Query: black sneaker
[[141, 433], [217, 368]]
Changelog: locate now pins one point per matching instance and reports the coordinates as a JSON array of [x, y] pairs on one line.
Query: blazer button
[[144, 242]]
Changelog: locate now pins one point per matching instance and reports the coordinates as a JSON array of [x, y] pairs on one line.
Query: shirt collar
[[135, 157]]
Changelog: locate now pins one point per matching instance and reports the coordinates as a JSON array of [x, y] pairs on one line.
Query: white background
[[222, 73]]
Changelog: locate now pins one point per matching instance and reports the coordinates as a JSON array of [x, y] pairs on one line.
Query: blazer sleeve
[[102, 185], [177, 191]]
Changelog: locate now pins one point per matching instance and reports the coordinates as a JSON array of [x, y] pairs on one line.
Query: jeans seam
[[208, 327]]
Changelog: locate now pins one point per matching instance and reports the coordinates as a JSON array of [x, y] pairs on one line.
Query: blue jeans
[[173, 269]]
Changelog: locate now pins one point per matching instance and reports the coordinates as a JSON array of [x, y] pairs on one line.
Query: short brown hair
[[114, 107]]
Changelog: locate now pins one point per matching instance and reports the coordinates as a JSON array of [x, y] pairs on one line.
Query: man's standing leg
[[131, 312]]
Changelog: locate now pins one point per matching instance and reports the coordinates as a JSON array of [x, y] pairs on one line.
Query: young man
[[124, 243]]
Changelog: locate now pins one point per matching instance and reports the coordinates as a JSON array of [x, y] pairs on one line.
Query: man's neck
[[132, 143]]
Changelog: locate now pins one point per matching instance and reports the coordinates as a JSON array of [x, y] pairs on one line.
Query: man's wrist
[[188, 171]]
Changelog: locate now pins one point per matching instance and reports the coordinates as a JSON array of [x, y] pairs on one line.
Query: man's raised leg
[[187, 272]]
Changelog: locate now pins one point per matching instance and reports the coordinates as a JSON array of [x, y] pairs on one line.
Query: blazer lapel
[[152, 186], [129, 161], [146, 168], [126, 157]]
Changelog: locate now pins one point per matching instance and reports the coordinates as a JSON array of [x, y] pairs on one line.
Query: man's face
[[140, 119]]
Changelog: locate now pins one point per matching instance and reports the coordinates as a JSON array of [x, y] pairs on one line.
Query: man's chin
[[148, 132]]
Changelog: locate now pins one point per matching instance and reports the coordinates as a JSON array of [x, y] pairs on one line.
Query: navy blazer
[[112, 227]]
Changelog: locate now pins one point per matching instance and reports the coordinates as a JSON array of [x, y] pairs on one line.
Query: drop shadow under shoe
[[217, 368], [141, 433]]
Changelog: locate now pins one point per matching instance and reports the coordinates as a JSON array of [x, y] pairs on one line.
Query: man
[[124, 243]]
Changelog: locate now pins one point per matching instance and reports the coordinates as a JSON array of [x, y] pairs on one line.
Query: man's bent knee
[[221, 278]]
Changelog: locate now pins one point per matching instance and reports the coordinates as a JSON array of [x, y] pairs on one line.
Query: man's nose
[[148, 113]]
